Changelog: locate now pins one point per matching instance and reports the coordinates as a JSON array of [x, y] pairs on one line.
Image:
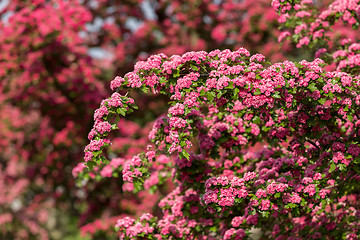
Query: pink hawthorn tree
[[302, 184], [51, 82]]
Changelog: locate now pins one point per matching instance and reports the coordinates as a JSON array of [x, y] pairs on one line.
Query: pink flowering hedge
[[303, 183]]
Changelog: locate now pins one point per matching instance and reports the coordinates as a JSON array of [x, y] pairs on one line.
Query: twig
[[312, 143]]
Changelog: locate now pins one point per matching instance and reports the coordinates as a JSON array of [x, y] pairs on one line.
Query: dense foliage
[[222, 102]]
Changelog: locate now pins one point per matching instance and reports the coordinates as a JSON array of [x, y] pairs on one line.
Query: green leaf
[[213, 229], [256, 120], [210, 96], [195, 68], [90, 165], [253, 212], [321, 101], [276, 95], [342, 167], [265, 214], [138, 186], [332, 167], [312, 87], [265, 129], [185, 154], [153, 189], [121, 111], [176, 74], [144, 89], [303, 202], [163, 80], [257, 91], [104, 160]]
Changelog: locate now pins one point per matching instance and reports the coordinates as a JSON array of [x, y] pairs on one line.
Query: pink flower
[[260, 193], [116, 83], [101, 112], [125, 222], [236, 221], [249, 176], [103, 127], [354, 150], [265, 205], [295, 198], [177, 109], [78, 169], [303, 41], [106, 171], [338, 157], [176, 122], [116, 162], [229, 233], [310, 189]]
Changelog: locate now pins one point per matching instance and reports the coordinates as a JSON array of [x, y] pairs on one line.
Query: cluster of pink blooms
[[268, 186], [348, 59], [307, 116], [132, 230], [321, 27]]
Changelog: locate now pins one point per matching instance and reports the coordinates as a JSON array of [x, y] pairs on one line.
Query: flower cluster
[[222, 103], [321, 27]]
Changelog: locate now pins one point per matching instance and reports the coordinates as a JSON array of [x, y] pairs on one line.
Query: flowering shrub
[[52, 78], [302, 184]]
